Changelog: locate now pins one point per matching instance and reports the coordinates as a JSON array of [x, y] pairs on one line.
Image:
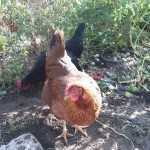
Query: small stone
[[128, 58], [23, 142], [132, 59], [115, 58], [45, 107], [46, 110], [125, 55], [93, 63], [97, 55], [119, 57], [33, 114], [128, 54], [124, 59]]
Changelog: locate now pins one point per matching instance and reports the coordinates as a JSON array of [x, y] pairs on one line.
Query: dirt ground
[[124, 124]]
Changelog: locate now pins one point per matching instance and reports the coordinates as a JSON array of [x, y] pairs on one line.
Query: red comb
[[18, 83]]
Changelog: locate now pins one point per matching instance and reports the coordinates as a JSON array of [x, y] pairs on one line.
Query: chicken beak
[[66, 97]]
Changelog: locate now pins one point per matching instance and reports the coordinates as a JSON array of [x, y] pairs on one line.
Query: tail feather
[[79, 30], [58, 43], [58, 62], [75, 44]]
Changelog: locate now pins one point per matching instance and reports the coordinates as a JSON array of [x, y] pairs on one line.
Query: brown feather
[[61, 72]]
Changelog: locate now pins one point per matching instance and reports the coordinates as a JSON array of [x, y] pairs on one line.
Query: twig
[[128, 81], [143, 86], [147, 109], [104, 125]]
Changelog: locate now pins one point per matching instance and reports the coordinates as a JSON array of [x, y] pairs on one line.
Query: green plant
[[26, 28]]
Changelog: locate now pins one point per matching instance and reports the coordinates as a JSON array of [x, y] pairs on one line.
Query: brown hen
[[72, 95]]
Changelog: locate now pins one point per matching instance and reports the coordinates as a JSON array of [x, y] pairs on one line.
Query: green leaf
[[133, 88], [3, 40], [128, 94]]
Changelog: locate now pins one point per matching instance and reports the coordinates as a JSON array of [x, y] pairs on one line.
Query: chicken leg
[[64, 133], [80, 128]]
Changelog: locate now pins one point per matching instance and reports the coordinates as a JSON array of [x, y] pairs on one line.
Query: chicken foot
[[80, 128], [64, 133]]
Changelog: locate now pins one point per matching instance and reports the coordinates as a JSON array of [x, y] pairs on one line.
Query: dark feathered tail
[[74, 46], [79, 30]]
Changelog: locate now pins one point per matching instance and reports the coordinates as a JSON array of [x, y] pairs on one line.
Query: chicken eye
[[74, 88]]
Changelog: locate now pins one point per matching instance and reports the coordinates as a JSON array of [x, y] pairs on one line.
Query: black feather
[[37, 74], [74, 46]]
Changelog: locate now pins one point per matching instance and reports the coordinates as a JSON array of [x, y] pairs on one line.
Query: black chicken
[[74, 48]]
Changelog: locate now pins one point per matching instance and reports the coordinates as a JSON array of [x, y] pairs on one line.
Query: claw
[[80, 128], [64, 133]]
